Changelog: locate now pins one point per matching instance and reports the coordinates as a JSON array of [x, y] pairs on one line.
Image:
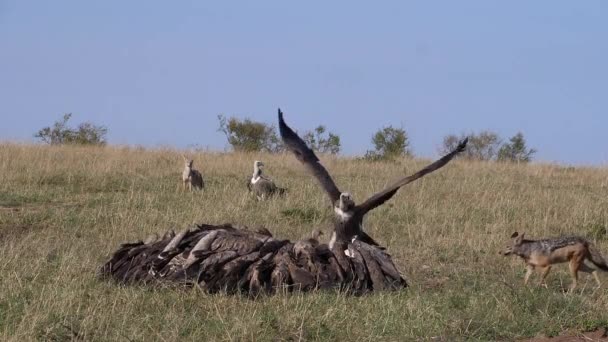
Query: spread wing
[[384, 195], [307, 157]]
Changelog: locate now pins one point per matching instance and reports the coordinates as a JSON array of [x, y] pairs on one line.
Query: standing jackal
[[191, 178], [542, 254]]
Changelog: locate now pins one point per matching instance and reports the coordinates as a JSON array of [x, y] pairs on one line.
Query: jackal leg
[[574, 265], [597, 278], [529, 271], [587, 269], [544, 271]]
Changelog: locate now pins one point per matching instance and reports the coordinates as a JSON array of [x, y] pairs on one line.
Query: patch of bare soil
[[598, 335]]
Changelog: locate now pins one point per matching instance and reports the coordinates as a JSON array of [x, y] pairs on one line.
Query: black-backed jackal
[[542, 254], [191, 178]]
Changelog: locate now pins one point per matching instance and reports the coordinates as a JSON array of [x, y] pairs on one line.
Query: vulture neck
[[257, 173], [343, 215]]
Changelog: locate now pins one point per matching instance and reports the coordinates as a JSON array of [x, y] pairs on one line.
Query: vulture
[[348, 218], [237, 260], [262, 186]]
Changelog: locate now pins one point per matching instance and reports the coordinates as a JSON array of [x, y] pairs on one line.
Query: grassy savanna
[[64, 210]]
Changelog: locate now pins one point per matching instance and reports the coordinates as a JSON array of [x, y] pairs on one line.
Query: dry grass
[[63, 210]]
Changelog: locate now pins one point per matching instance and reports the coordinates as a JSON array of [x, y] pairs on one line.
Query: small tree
[[481, 146], [389, 142], [516, 150], [249, 136], [86, 133], [318, 141]]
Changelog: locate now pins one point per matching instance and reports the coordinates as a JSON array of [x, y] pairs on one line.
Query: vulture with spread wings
[[348, 215]]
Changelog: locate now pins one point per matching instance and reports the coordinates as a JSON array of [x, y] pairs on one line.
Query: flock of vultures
[[233, 259]]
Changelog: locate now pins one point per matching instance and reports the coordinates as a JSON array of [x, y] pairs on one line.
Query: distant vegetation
[[481, 146], [389, 142], [487, 145], [516, 150], [248, 135], [252, 136], [322, 141], [85, 134]]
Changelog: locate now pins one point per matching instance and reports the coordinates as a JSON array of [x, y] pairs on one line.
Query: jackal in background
[[542, 254], [191, 178]]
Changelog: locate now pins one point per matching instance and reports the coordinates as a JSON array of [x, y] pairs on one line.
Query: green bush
[[59, 134]]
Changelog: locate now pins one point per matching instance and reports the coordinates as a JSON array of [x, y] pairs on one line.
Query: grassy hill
[[64, 210]]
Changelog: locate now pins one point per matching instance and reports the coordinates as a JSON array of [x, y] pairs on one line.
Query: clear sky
[[159, 72]]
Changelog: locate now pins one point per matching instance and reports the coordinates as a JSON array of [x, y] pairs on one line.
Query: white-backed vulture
[[262, 186]]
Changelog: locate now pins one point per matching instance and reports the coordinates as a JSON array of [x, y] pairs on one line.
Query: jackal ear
[[514, 235], [519, 239]]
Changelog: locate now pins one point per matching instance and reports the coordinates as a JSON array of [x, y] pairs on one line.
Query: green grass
[[64, 210]]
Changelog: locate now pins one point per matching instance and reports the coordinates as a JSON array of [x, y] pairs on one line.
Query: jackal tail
[[596, 258]]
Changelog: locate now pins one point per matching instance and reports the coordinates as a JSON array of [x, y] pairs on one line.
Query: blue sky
[[159, 72]]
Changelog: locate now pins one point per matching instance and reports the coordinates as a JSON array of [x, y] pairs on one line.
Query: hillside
[[64, 210]]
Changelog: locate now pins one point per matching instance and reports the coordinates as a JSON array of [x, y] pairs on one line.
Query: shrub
[[516, 150], [249, 136], [481, 146], [86, 133], [389, 142], [319, 141]]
